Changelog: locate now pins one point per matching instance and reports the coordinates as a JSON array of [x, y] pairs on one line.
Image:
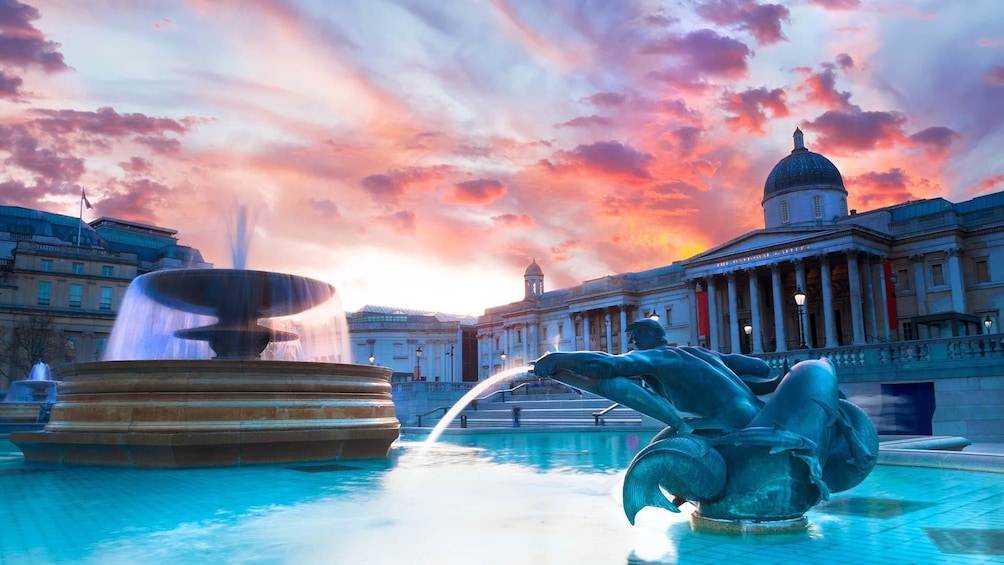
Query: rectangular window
[[982, 271], [77, 268], [561, 331], [908, 331], [817, 207], [785, 217], [669, 317], [543, 333], [47, 265], [106, 298], [938, 274], [76, 295], [519, 336], [44, 292], [903, 279], [107, 271]]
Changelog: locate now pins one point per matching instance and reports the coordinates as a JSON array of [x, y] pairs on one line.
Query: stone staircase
[[569, 413]]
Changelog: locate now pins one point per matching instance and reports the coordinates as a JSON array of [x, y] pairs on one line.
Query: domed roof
[[533, 270], [802, 169]]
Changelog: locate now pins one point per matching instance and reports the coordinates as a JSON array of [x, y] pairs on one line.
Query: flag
[[85, 200]]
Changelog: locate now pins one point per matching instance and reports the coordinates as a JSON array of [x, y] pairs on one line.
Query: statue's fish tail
[[685, 466]]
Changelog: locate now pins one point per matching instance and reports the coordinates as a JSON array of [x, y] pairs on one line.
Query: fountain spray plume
[[240, 238]]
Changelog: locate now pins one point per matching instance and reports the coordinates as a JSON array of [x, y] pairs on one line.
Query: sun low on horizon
[[422, 154]]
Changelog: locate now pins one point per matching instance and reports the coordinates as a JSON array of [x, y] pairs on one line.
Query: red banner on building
[[890, 295], [702, 314]]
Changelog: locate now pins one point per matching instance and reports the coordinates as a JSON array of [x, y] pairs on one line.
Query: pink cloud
[[107, 122], [606, 99], [10, 86], [936, 139], [325, 208], [478, 192], [687, 139], [855, 130], [605, 157], [878, 189], [987, 184], [762, 20], [586, 122], [21, 44], [836, 4], [994, 76], [514, 220], [136, 200], [820, 88], [136, 166], [749, 108], [402, 221], [388, 187], [704, 53]]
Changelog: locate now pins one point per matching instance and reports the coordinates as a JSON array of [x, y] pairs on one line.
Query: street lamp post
[[418, 363], [988, 323], [800, 302], [748, 328], [502, 357], [450, 355], [372, 359]]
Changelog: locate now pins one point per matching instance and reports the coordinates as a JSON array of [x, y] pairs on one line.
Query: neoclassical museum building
[[897, 297]]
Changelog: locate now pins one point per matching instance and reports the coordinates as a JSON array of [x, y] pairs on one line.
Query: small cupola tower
[[533, 281]]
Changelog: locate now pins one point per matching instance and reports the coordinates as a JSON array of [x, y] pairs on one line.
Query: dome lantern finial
[[799, 140]]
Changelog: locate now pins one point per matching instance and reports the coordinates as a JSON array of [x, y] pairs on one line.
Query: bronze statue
[[733, 455]]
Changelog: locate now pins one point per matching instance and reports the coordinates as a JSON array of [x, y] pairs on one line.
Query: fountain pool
[[475, 498]]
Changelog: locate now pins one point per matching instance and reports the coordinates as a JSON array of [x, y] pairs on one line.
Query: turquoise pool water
[[537, 498]]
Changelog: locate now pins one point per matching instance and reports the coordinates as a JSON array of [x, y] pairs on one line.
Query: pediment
[[764, 242]]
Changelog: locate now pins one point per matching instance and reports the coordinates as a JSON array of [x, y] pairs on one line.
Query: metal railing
[[597, 416]]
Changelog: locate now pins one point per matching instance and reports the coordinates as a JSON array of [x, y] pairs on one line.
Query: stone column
[[854, 278], [871, 324], [585, 330], [955, 280], [756, 322], [919, 284], [886, 332], [712, 315], [736, 345], [777, 290], [624, 325], [571, 327], [826, 277], [695, 316]]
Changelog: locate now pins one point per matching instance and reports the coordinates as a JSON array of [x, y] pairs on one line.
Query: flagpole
[[80, 224]]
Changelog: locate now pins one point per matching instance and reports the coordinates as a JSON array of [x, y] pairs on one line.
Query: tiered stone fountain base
[[195, 413]]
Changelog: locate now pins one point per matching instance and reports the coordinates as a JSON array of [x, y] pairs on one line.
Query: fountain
[[747, 465], [27, 400], [210, 367]]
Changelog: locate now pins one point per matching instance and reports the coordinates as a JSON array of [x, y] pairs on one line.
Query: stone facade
[[921, 271]]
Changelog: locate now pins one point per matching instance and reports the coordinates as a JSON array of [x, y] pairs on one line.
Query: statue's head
[[646, 334]]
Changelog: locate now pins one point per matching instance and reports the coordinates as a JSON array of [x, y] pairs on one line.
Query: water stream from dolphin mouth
[[466, 399]]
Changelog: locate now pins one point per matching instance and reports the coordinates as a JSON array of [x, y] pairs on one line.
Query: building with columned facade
[[901, 286]]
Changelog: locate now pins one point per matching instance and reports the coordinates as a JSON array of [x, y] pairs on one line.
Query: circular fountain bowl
[[195, 413], [218, 292]]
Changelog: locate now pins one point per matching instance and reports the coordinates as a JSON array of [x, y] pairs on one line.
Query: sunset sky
[[421, 153]]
